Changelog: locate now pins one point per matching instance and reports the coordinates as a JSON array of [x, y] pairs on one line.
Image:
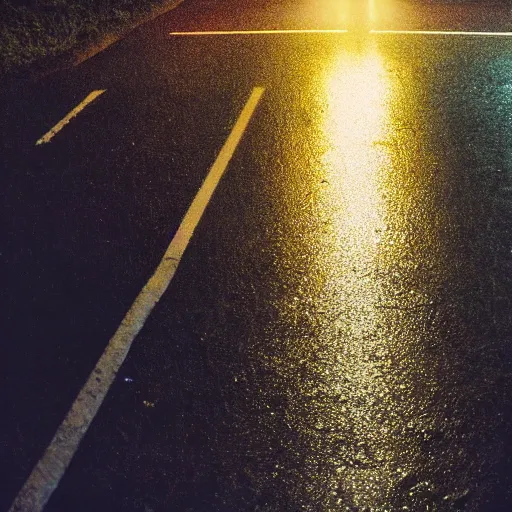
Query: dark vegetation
[[36, 32]]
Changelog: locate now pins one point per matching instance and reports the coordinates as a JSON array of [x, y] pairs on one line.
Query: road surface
[[337, 335]]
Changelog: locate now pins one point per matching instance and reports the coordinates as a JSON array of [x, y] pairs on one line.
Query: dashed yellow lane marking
[[47, 137]]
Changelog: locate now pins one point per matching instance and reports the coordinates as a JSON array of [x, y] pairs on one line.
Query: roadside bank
[[41, 36]]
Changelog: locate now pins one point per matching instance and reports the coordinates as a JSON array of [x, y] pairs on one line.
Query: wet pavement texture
[[338, 335]]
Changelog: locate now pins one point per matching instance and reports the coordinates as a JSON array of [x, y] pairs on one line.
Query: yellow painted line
[[46, 475], [58, 127], [442, 32], [257, 32], [336, 31]]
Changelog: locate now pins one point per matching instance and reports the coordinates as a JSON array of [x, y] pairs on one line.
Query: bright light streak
[[372, 11], [358, 94]]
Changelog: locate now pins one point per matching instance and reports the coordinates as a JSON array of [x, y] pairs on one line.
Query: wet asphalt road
[[338, 335]]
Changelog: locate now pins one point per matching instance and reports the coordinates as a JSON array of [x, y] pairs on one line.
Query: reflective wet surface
[[383, 385], [339, 334]]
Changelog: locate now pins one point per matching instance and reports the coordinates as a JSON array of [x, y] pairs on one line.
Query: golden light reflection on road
[[356, 91], [350, 228], [357, 121], [372, 11]]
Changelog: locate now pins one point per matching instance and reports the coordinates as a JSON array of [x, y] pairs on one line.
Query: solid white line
[[250, 32], [49, 470], [58, 127], [442, 32]]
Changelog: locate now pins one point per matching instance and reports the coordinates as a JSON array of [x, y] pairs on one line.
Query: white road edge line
[[442, 33], [46, 475], [58, 127], [249, 32]]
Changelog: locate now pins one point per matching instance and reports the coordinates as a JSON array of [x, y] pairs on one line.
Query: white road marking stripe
[[442, 32], [58, 127], [49, 470], [249, 32]]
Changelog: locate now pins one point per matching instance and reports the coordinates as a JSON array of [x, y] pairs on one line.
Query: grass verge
[[41, 35]]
